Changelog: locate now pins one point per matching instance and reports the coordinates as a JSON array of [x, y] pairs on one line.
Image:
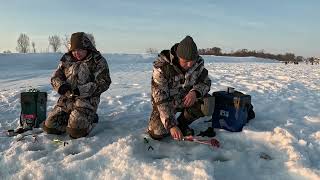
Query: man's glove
[[64, 88]]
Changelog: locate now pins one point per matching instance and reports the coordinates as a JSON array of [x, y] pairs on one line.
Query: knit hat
[[79, 40], [187, 49]]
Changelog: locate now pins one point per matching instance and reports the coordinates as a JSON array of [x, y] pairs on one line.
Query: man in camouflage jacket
[[179, 83], [80, 78]]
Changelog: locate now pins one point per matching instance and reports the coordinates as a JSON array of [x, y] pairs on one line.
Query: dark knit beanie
[[79, 41], [187, 49]]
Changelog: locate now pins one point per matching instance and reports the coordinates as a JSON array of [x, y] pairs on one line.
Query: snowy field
[[286, 99]]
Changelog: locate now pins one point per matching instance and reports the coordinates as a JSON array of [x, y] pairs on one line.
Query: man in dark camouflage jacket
[[80, 78], [179, 84]]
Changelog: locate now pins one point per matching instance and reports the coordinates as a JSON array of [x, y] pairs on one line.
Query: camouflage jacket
[[91, 75], [169, 85]]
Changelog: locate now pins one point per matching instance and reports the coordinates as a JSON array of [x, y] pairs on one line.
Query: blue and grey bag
[[232, 110]]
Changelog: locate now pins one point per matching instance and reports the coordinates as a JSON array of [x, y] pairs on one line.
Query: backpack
[[232, 110], [33, 109]]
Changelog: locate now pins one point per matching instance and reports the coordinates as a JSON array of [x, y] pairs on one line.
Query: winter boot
[[183, 126], [208, 133]]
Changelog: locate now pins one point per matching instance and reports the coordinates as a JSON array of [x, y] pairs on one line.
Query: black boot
[[183, 126], [209, 132], [186, 130]]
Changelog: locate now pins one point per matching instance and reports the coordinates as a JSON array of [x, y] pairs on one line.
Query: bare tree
[[311, 60], [91, 37], [66, 41], [55, 42], [23, 43], [33, 47], [151, 51]]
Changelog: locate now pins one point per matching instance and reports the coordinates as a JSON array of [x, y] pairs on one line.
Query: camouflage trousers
[[190, 114], [74, 116]]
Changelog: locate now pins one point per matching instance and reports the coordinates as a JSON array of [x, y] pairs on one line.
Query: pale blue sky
[[276, 26]]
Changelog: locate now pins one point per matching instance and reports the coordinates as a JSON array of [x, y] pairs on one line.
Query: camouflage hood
[[80, 40]]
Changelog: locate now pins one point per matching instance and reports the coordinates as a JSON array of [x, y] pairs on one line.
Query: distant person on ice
[[179, 83], [80, 78]]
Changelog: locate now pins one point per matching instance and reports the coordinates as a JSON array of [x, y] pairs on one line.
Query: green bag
[[33, 109]]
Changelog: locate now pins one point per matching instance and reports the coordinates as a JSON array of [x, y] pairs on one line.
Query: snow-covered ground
[[286, 99]]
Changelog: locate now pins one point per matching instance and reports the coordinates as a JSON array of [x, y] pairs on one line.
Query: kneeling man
[[179, 84]]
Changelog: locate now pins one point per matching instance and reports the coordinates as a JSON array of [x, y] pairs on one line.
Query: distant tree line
[[286, 58], [25, 45]]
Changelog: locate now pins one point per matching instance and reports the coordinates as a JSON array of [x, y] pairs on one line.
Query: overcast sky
[[130, 26]]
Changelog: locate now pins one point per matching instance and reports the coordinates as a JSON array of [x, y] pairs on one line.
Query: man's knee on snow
[[157, 135], [81, 118], [78, 133], [156, 129], [56, 122], [80, 123], [52, 130]]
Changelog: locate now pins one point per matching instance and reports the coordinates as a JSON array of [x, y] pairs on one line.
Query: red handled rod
[[211, 142]]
